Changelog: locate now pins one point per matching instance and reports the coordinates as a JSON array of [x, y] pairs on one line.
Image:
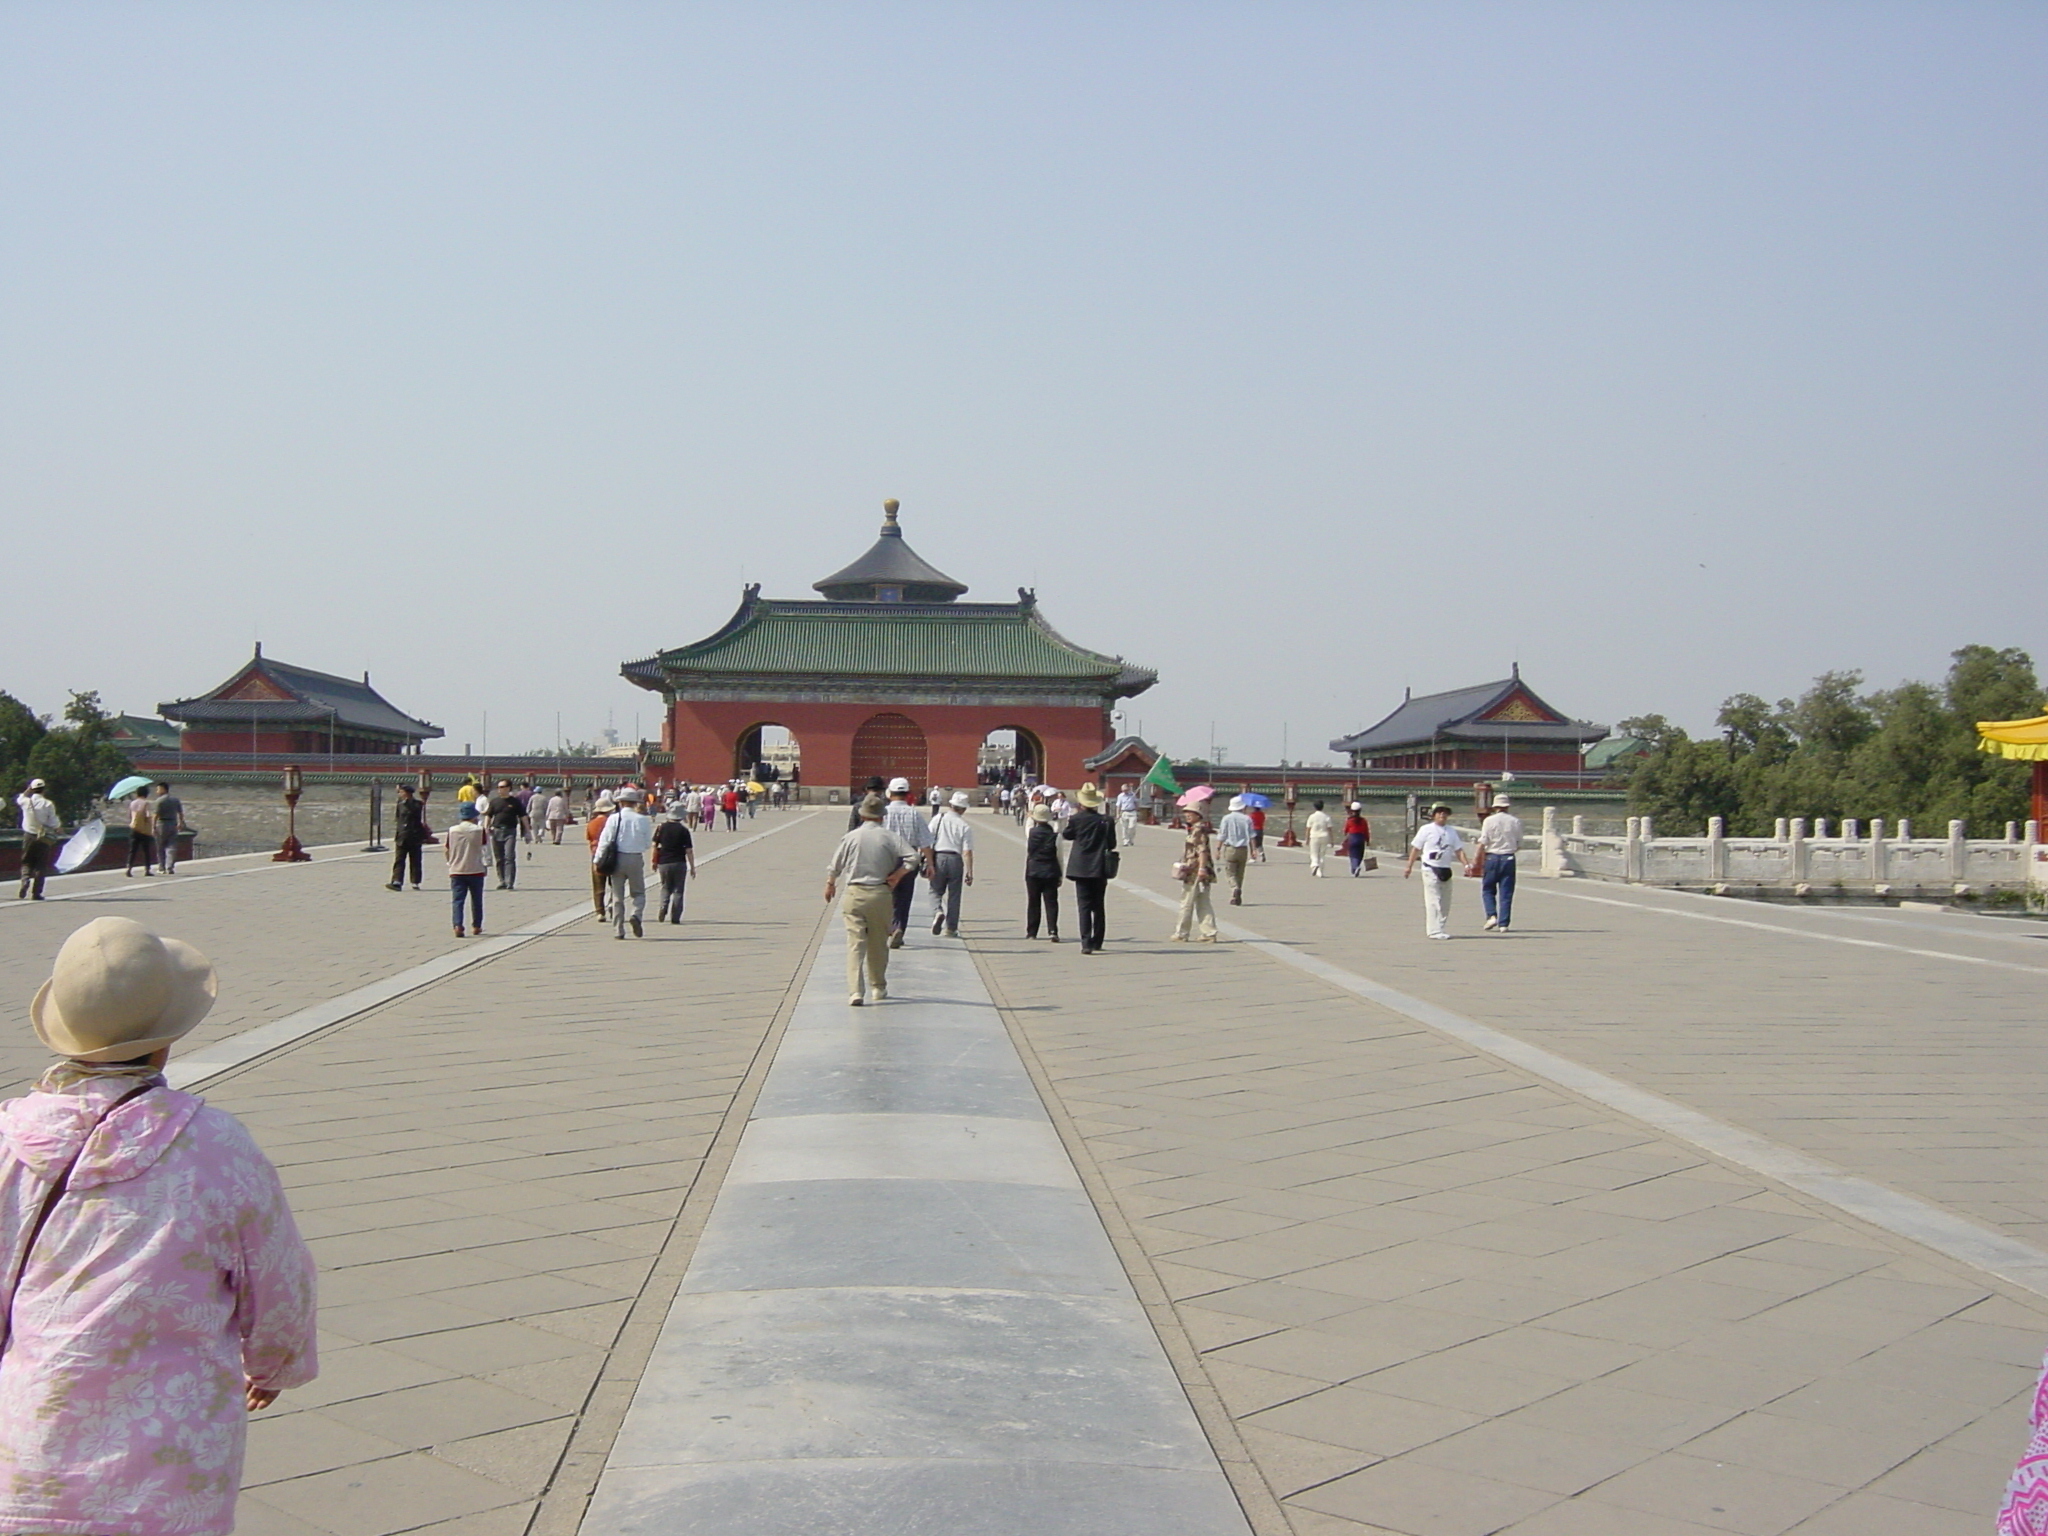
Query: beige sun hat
[[1041, 812], [1088, 795], [118, 991]]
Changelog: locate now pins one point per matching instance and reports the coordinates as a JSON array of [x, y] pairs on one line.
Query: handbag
[[57, 1187], [608, 856], [1112, 859]]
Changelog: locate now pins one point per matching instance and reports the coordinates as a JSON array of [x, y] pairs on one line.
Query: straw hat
[[1089, 796], [1041, 812], [118, 992], [1502, 801]]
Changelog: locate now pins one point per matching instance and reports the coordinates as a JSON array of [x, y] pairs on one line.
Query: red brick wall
[[703, 737]]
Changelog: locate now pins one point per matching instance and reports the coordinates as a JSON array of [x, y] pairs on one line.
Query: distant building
[[270, 707], [1482, 731], [1615, 754], [889, 674], [140, 733]]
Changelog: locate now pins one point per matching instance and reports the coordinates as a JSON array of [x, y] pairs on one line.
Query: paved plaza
[[1665, 1216]]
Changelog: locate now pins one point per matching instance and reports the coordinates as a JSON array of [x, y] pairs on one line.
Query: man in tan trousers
[[869, 860]]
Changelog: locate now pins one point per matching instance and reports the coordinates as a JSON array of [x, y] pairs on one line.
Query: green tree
[[20, 729], [1653, 730], [1909, 751], [78, 759]]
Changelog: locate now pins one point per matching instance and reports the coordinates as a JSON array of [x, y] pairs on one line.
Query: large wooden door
[[889, 747]]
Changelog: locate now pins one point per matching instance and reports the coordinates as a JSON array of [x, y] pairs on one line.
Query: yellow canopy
[[2023, 739]]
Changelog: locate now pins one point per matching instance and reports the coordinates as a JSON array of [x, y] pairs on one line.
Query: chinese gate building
[[887, 673]]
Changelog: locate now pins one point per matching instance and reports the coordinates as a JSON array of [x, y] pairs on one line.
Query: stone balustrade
[[1802, 858]]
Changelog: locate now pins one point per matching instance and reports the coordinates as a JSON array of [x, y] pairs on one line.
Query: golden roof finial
[[889, 514]]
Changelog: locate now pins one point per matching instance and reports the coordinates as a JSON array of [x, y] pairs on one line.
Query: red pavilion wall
[[704, 737]]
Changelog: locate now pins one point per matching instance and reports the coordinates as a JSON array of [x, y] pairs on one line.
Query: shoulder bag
[[58, 1186], [608, 855], [1112, 857]]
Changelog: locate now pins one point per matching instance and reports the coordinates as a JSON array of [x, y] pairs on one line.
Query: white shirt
[[1127, 804], [37, 813], [951, 834], [907, 822], [1319, 824], [558, 808], [1439, 846], [1235, 830], [632, 831], [1500, 833]]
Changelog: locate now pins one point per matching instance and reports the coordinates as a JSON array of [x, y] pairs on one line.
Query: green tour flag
[[1162, 775]]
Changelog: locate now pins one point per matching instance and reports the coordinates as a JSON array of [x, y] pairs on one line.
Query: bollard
[[1717, 850], [1958, 854], [1797, 840]]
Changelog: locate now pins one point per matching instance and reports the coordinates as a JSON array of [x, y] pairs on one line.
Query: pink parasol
[[1194, 797]]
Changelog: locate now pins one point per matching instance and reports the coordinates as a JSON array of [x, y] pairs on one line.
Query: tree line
[[1838, 751], [77, 759]]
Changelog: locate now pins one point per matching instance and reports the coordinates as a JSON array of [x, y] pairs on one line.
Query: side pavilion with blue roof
[[1483, 730]]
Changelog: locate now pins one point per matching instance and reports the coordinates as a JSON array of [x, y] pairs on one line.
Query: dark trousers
[[1041, 891], [471, 886], [1354, 850], [673, 877], [1088, 894], [1497, 886], [141, 850], [407, 854], [900, 894], [505, 855], [36, 854]]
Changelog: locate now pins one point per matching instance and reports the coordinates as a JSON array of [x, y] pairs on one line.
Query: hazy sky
[[1303, 352]]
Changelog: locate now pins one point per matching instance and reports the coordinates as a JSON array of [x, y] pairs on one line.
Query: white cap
[[899, 786], [1355, 806], [960, 798], [35, 783]]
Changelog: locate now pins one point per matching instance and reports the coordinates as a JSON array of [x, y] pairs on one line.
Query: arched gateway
[[889, 662]]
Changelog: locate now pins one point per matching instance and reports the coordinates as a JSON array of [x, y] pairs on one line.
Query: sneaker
[[896, 940], [476, 933], [879, 993], [1491, 922], [1237, 898], [394, 886], [938, 924], [460, 934], [636, 926], [1055, 938], [855, 1001], [952, 933], [1439, 935]]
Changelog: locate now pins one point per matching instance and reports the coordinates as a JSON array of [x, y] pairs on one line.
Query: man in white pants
[[1441, 852], [1319, 829], [1127, 816]]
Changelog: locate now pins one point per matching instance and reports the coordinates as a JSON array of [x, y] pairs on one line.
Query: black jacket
[[1042, 852], [412, 818], [1093, 838]]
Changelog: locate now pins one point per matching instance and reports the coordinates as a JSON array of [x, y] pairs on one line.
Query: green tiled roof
[[983, 641]]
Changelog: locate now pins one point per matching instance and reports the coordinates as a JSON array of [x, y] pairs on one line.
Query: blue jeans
[[1497, 886], [473, 887]]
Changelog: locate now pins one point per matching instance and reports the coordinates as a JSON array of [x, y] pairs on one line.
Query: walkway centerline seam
[[808, 1363], [238, 1050], [1920, 1221]]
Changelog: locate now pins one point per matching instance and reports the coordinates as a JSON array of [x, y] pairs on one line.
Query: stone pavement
[[1408, 1287]]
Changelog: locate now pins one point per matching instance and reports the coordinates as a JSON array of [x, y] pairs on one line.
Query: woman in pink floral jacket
[[155, 1288]]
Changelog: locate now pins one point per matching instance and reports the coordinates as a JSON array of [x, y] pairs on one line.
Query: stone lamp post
[[293, 852]]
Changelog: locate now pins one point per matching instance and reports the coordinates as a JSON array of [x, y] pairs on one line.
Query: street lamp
[[293, 852]]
